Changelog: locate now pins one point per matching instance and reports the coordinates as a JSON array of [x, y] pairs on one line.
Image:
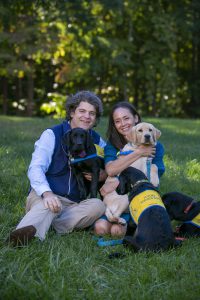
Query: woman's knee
[[102, 227], [118, 230]]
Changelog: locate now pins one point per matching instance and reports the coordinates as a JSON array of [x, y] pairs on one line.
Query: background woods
[[147, 52]]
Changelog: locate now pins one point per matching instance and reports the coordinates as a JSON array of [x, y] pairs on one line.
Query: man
[[54, 196]]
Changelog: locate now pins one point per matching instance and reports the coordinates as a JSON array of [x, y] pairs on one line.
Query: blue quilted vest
[[59, 175]]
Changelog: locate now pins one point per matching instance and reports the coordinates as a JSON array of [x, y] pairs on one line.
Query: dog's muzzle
[[147, 138]]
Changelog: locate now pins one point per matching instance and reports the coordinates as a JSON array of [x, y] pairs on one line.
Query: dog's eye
[[150, 129], [140, 130]]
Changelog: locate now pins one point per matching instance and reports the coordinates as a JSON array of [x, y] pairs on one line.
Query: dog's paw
[[122, 221]]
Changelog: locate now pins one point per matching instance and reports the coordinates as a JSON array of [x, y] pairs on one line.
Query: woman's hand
[[146, 151]]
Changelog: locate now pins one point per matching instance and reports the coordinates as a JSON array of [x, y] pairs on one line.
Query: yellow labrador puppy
[[144, 134]]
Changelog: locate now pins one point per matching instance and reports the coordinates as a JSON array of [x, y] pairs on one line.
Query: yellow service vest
[[195, 221], [142, 201]]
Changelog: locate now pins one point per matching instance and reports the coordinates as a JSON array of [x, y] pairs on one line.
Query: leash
[[104, 243], [76, 160], [148, 165]]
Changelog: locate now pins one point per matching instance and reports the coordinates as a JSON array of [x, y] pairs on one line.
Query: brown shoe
[[20, 237]]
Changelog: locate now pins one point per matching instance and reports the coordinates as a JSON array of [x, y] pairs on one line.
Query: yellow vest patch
[[99, 150], [196, 220], [142, 201]]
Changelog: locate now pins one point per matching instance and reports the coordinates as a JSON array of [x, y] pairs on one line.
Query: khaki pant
[[73, 215]]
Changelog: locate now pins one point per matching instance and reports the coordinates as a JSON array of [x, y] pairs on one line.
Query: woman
[[122, 118]]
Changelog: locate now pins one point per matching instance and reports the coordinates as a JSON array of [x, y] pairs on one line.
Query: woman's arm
[[117, 165]]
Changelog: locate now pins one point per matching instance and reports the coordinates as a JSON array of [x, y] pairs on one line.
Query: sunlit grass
[[73, 266]]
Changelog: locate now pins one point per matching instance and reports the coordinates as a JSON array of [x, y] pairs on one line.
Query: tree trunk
[[5, 95], [30, 95]]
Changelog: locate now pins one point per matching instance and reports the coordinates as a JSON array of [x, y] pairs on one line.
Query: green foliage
[[72, 266], [55, 106], [193, 170], [144, 51]]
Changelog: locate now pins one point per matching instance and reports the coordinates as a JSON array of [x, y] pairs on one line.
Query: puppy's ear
[[132, 136], [89, 140], [156, 133], [66, 138]]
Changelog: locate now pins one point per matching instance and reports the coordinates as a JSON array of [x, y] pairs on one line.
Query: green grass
[[72, 266]]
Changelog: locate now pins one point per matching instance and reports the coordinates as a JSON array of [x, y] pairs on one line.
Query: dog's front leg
[[94, 182], [123, 186], [81, 185], [154, 175]]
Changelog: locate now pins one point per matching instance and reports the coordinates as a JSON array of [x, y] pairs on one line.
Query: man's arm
[[41, 160]]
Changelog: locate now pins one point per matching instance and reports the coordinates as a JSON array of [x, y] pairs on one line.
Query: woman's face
[[124, 120]]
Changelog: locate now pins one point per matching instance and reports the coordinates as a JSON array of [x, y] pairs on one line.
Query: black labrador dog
[[83, 158], [183, 208], [153, 231]]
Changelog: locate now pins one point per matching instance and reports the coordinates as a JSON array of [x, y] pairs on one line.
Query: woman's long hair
[[114, 137]]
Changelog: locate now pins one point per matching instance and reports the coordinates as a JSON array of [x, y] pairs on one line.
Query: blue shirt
[[110, 154]]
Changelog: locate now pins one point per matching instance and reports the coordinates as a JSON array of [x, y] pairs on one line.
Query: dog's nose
[[147, 137]]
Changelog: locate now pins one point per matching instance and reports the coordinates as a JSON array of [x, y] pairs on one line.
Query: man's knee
[[97, 208], [102, 227]]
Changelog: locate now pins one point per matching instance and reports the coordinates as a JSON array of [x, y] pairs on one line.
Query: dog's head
[[144, 133], [78, 142], [180, 207]]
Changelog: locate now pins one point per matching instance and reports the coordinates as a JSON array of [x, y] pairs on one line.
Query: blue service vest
[[59, 175]]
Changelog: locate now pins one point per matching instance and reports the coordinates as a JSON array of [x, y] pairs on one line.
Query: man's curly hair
[[73, 102]]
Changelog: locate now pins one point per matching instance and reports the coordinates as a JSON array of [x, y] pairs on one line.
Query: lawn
[[73, 266]]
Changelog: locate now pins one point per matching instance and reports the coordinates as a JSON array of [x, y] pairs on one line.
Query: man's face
[[84, 116]]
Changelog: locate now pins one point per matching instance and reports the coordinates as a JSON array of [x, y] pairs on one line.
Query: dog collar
[[186, 210], [139, 182], [99, 153]]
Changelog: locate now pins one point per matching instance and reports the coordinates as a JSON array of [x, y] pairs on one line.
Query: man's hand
[[52, 202]]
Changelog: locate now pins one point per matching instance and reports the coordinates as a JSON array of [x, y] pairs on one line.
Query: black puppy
[[153, 230], [83, 158], [183, 208]]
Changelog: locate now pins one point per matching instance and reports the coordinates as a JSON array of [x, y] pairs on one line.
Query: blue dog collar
[[125, 152], [99, 153]]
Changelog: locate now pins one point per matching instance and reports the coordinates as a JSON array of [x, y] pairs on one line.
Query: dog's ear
[[89, 140], [132, 136], [156, 134], [66, 138]]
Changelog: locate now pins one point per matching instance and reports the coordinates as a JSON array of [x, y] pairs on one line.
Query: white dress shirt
[[41, 160]]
